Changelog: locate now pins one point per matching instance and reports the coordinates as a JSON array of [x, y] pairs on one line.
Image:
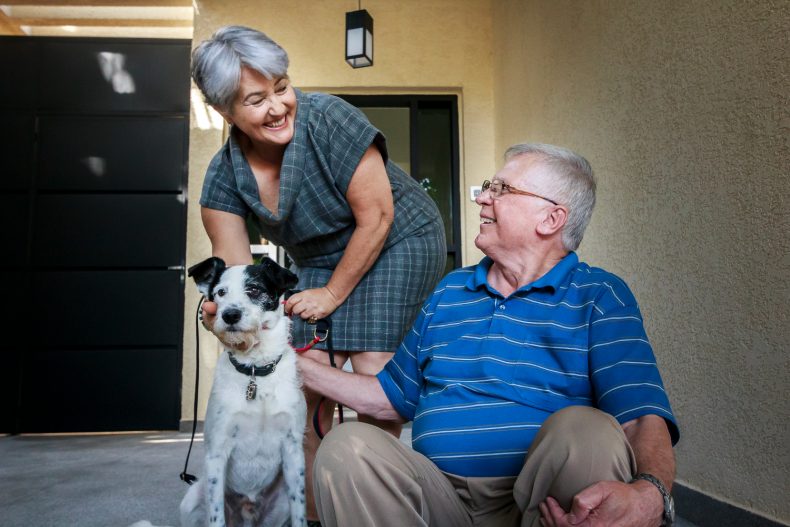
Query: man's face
[[508, 222]]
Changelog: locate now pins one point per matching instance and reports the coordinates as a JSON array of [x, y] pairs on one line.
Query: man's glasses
[[498, 187]]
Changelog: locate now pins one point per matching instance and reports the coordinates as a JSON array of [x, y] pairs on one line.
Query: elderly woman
[[366, 241]]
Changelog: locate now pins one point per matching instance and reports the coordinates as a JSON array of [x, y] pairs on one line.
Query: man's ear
[[553, 221], [206, 274], [279, 279]]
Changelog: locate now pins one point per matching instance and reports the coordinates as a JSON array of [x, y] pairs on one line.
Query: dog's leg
[[293, 471], [193, 506], [215, 489]]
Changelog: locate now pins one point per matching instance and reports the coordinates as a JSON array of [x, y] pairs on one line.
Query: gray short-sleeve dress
[[314, 222]]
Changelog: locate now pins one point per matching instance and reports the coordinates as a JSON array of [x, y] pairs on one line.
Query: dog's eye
[[253, 292], [220, 292]]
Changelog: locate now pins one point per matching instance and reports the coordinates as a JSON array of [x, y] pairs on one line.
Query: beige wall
[[681, 107], [437, 46]]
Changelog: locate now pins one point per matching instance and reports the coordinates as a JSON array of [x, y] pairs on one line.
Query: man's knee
[[574, 448], [581, 424], [340, 449]]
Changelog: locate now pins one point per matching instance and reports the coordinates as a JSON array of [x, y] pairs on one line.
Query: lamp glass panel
[[354, 42], [360, 62], [369, 45]]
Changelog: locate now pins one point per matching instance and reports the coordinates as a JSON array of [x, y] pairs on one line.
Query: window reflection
[[97, 165], [112, 69]]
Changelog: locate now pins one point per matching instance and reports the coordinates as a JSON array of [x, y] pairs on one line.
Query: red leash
[[309, 345], [323, 325]]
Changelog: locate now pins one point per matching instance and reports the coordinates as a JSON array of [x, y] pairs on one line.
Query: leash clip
[[321, 326]]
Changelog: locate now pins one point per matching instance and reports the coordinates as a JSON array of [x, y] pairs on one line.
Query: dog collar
[[255, 371]]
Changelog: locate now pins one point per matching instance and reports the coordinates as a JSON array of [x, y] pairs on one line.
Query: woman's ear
[[553, 221], [225, 115]]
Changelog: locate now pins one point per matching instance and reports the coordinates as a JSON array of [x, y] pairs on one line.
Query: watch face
[[671, 508]]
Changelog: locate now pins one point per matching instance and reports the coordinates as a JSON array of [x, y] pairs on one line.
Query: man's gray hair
[[217, 62], [573, 182]]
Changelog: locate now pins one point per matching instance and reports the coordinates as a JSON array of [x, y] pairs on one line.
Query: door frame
[[414, 102]]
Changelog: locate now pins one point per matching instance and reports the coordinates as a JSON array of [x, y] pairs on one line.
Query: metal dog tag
[[252, 389]]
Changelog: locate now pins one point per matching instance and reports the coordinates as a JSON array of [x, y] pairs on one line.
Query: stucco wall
[[681, 107], [421, 46]]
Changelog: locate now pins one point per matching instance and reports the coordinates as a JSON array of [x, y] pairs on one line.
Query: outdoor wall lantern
[[359, 39]]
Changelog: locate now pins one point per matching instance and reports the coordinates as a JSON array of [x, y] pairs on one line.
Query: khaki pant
[[364, 477]]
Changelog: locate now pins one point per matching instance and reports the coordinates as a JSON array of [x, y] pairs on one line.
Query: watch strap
[[669, 516]]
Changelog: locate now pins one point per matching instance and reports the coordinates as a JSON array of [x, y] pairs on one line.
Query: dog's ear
[[206, 274], [279, 279]]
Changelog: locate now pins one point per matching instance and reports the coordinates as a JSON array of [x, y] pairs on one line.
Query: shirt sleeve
[[349, 133], [625, 377], [219, 188], [402, 378]]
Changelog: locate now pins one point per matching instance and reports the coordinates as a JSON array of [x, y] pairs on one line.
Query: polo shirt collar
[[555, 278]]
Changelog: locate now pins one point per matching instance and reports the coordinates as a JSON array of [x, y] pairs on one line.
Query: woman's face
[[264, 109]]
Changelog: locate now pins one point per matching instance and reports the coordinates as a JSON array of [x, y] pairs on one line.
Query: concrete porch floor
[[99, 480]]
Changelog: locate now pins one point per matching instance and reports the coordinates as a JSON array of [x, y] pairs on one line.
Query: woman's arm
[[228, 235], [370, 198]]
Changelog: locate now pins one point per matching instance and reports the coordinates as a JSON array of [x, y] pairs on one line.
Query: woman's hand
[[312, 303], [370, 197]]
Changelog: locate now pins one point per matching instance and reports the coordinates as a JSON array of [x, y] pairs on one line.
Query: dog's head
[[247, 298]]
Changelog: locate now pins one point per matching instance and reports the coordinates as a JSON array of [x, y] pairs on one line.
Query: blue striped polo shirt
[[478, 373]]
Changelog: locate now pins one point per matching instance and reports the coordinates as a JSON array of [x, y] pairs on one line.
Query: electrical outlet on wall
[[475, 191]]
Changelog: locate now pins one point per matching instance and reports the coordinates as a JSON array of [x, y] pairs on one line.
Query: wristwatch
[[669, 503]]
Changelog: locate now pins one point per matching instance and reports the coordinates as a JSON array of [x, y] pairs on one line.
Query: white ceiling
[[98, 18]]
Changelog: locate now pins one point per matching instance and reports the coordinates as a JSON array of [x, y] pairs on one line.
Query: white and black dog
[[256, 412]]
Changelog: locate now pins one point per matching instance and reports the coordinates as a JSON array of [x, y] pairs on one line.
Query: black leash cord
[[326, 325], [185, 476], [188, 478]]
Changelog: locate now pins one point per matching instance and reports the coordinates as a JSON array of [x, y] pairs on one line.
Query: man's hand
[[608, 503]]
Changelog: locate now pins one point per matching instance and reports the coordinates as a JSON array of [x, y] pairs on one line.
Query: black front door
[[94, 146]]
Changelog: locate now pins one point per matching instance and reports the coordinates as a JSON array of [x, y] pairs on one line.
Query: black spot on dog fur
[[267, 281]]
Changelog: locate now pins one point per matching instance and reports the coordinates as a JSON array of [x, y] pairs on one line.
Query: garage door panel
[[86, 390], [108, 308], [94, 75], [112, 153], [109, 231], [16, 149]]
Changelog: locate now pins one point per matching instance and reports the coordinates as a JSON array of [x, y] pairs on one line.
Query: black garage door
[[93, 143]]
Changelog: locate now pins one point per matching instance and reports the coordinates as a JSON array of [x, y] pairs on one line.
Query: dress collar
[[291, 170]]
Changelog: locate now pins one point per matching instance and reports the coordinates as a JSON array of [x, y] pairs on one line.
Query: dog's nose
[[231, 316]]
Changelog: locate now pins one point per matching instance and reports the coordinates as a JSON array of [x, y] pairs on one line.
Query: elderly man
[[533, 388]]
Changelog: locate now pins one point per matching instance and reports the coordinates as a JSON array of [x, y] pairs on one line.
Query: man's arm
[[612, 502], [361, 393], [652, 445]]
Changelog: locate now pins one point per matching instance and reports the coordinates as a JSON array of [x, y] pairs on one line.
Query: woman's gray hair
[[217, 62], [573, 182]]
